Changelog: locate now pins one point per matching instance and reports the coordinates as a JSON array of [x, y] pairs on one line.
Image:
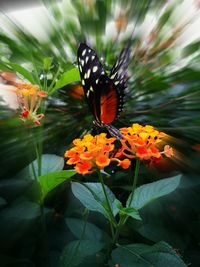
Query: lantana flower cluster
[[29, 99], [143, 142], [93, 152], [97, 152]]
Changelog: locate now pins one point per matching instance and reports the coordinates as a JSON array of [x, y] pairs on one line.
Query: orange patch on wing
[[109, 104]]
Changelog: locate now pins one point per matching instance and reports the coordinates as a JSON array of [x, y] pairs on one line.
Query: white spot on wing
[[82, 62], [86, 59], [95, 68], [88, 73], [93, 57], [84, 51], [113, 76], [91, 89], [83, 82], [80, 68], [97, 80], [85, 76], [116, 83], [88, 93]]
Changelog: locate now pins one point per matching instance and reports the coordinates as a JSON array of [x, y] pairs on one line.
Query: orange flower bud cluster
[[29, 98], [96, 152], [93, 152], [143, 142]]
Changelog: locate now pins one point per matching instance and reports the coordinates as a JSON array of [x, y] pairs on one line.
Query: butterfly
[[104, 94]]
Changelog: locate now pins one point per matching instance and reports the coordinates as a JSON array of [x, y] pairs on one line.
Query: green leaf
[[84, 230], [2, 202], [149, 192], [133, 213], [47, 63], [17, 220], [50, 180], [21, 209], [76, 251], [165, 17], [140, 255], [21, 70], [7, 261], [92, 197], [159, 231], [191, 48], [49, 163], [67, 78], [127, 211], [10, 189]]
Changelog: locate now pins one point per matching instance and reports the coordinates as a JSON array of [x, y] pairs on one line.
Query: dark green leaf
[[165, 17], [149, 192], [21, 210], [75, 252], [131, 212], [91, 231], [127, 211], [92, 197], [12, 188], [140, 255], [49, 163], [7, 261], [191, 48], [2, 202]]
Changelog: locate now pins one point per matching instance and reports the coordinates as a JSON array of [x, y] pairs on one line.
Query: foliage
[[148, 215]]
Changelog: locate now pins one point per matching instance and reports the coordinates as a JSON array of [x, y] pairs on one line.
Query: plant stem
[[39, 145], [123, 220], [137, 167], [110, 212]]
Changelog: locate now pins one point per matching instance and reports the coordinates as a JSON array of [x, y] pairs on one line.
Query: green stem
[[39, 144], [110, 212], [137, 167], [51, 88], [123, 220]]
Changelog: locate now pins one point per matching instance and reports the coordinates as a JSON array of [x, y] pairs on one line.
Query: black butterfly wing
[[118, 75], [91, 70], [104, 94]]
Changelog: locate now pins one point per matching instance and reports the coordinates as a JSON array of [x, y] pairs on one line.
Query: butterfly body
[[104, 94]]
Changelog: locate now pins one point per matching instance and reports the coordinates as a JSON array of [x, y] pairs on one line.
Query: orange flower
[[125, 164], [29, 99], [168, 151], [93, 152], [102, 161], [83, 167], [143, 142], [96, 152]]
